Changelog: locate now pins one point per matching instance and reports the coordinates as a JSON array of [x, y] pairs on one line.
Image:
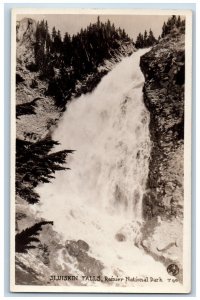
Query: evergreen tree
[[69, 59], [42, 44], [67, 49], [164, 32], [171, 22], [98, 22], [182, 26], [53, 34], [145, 43], [24, 239], [178, 22], [139, 41], [34, 164], [145, 40], [58, 42], [174, 22], [151, 39]]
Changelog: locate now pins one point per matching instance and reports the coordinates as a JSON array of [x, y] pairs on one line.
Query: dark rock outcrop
[[25, 31], [164, 71], [87, 264]]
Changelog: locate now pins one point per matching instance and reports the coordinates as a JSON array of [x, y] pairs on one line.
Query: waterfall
[[102, 193]]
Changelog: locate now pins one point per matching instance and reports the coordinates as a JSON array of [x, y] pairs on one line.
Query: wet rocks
[[83, 245], [72, 248], [75, 248], [86, 263], [120, 237], [164, 71]]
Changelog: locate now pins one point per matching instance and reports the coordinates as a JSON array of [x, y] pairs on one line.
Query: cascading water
[[102, 193]]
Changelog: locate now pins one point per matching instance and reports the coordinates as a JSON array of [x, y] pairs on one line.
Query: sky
[[72, 23]]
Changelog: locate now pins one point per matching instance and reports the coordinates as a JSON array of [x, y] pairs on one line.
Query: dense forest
[[148, 39], [63, 61], [173, 23], [145, 40]]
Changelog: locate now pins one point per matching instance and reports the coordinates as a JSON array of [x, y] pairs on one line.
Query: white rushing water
[[102, 193]]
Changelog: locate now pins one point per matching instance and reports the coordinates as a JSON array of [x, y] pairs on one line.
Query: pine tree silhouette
[[34, 164], [173, 23], [151, 39], [24, 239], [145, 40], [81, 54]]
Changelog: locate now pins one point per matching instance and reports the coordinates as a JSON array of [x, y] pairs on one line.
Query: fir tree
[[34, 164], [174, 22], [163, 30], [58, 42], [24, 239], [53, 34], [139, 41], [98, 22], [178, 22], [145, 42], [151, 39]]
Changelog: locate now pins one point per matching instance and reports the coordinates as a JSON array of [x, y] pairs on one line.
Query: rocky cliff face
[[25, 38], [35, 112], [164, 70], [25, 30]]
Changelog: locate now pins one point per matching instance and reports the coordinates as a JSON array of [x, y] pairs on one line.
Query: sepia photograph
[[101, 150]]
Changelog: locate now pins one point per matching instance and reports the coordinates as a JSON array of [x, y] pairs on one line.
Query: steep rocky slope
[[164, 70]]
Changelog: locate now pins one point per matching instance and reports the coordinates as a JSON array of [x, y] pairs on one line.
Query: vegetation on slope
[[63, 61]]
